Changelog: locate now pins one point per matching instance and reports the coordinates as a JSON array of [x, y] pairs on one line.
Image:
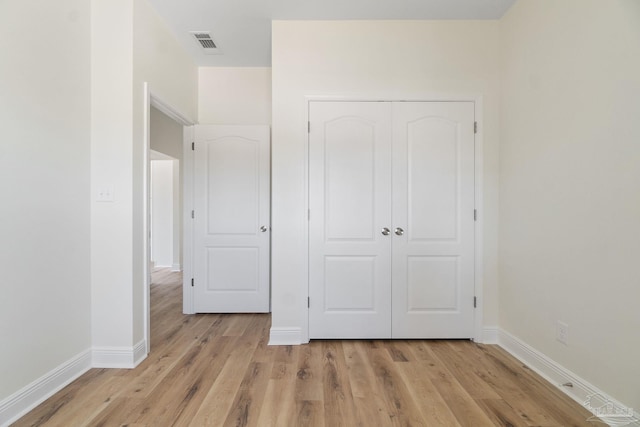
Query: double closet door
[[391, 220]]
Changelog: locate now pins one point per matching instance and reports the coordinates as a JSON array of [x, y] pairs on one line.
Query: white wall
[[44, 191], [162, 199], [131, 45], [386, 59], [172, 77], [111, 166], [178, 207], [570, 185], [234, 96], [161, 61], [166, 134]]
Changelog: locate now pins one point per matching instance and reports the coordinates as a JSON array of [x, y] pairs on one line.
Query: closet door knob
[[399, 231], [385, 231], [263, 228]]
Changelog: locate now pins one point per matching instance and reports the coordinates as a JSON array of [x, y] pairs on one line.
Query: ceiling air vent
[[206, 42]]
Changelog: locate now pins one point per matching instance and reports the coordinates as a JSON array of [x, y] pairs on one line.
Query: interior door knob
[[399, 231], [263, 228], [385, 231]]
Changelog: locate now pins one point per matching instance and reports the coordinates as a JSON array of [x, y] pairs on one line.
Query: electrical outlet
[[562, 332]]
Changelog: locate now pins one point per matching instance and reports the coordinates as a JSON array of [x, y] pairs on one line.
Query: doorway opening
[[164, 139], [165, 207]]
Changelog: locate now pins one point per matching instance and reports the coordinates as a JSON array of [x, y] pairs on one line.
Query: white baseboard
[[139, 352], [285, 336], [21, 402], [558, 375], [119, 357], [176, 267]]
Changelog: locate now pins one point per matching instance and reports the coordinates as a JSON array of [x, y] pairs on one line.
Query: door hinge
[[475, 127], [308, 214], [193, 146], [308, 302], [193, 214], [192, 282], [475, 302], [475, 215]]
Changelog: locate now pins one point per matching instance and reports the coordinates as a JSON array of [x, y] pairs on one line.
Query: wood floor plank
[[302, 380], [501, 413], [279, 405], [462, 405], [182, 386], [400, 351], [238, 325], [260, 326], [198, 383], [499, 377], [221, 394], [464, 372], [121, 406], [309, 375], [400, 404], [338, 400], [559, 406], [163, 360], [218, 369], [433, 408], [54, 409], [286, 354], [245, 408], [88, 406], [309, 413], [370, 407]]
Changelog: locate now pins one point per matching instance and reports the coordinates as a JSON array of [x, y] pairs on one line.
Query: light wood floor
[[218, 370]]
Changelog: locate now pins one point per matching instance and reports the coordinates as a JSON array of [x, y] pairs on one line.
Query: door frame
[[478, 190], [188, 139], [151, 99]]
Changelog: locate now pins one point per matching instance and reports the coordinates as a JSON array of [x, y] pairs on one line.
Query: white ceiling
[[242, 28]]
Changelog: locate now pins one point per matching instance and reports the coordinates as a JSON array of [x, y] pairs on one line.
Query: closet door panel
[[433, 203], [349, 204]]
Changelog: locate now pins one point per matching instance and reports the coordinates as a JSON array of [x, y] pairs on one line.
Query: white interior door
[[231, 219], [349, 204], [391, 227], [433, 205]]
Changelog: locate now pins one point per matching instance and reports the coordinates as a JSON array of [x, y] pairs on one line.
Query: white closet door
[[433, 204], [350, 205], [231, 221]]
